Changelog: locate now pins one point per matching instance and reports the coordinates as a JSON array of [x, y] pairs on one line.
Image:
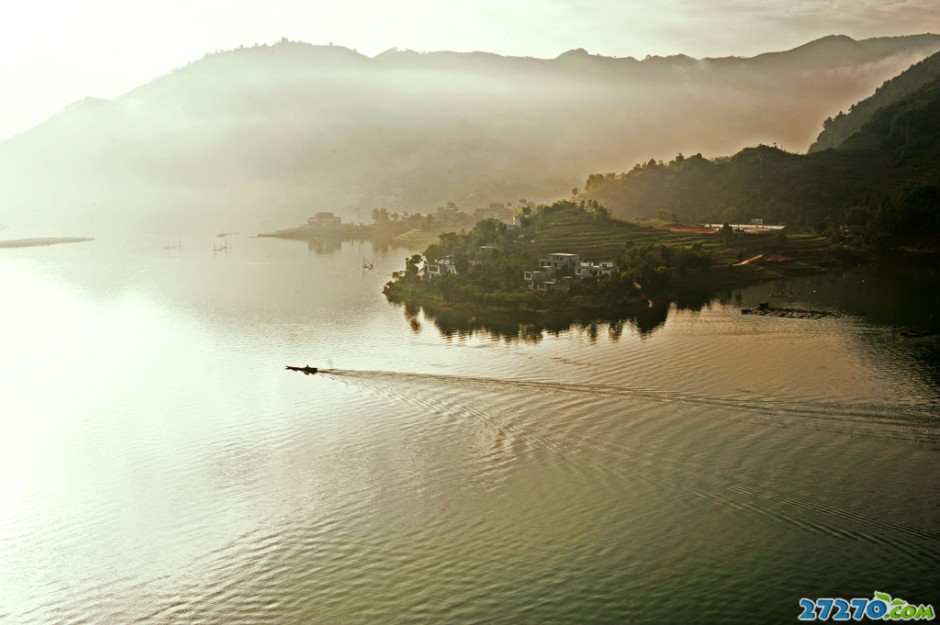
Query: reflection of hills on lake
[[326, 244], [265, 136]]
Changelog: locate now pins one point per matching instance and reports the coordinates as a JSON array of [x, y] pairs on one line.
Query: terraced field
[[600, 239]]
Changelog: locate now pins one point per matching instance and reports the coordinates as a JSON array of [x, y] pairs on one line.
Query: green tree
[[487, 231], [411, 265], [380, 216], [461, 263], [726, 234]]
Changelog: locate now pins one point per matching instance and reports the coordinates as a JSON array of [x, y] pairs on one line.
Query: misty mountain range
[[874, 170], [260, 138]]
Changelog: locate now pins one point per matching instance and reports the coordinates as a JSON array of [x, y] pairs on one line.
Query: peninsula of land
[[573, 258], [413, 230]]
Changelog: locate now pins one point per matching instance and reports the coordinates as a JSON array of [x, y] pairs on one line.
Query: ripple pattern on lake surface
[[714, 469]]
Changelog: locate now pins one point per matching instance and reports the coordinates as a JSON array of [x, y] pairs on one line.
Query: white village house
[[595, 270], [536, 277], [324, 220], [559, 260], [441, 267]]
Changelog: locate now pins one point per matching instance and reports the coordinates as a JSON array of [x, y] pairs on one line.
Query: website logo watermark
[[881, 607]]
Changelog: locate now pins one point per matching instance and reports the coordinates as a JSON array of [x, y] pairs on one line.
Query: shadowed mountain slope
[[838, 129]]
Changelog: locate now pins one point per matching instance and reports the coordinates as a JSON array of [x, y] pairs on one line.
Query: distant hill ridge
[[829, 52], [261, 137]]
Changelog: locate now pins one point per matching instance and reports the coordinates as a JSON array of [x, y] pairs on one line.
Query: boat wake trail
[[919, 424]]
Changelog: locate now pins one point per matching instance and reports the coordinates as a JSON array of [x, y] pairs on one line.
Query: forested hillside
[[838, 129]]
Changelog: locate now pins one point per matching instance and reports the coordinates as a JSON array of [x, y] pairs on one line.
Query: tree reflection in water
[[532, 328], [514, 327]]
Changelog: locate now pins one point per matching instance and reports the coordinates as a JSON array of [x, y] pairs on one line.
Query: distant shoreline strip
[[43, 241]]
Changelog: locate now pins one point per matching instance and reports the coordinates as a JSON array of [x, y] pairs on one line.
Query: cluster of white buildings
[[555, 271], [548, 276]]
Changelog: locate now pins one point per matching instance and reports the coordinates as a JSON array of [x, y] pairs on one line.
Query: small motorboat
[[308, 370]]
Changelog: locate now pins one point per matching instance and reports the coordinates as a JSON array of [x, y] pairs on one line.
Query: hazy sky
[[53, 52]]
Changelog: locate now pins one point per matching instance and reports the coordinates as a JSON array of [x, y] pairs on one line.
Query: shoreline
[[412, 239], [43, 241], [525, 314], [718, 278]]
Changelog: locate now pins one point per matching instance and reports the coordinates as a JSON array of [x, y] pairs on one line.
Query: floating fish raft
[[791, 313]]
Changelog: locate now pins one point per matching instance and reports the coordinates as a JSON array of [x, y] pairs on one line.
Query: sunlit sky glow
[[53, 52]]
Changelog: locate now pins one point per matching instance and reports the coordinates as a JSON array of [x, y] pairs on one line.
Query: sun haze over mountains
[[262, 136]]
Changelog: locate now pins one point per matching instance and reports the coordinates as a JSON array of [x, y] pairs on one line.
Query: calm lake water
[[160, 466]]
